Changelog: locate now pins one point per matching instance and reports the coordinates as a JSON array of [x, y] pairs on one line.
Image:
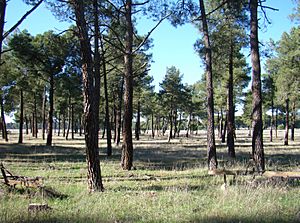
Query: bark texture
[[257, 124], [211, 146], [127, 147], [91, 100]]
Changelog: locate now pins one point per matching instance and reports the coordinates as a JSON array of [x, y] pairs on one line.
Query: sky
[[172, 46]]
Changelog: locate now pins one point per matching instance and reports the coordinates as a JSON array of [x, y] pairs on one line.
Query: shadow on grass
[[52, 216]]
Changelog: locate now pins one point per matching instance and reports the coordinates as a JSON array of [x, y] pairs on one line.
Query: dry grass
[[170, 183]]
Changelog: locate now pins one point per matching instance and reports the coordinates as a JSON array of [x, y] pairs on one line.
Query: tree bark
[[138, 122], [4, 130], [230, 107], [257, 124], [171, 126], [107, 118], [276, 123], [127, 147], [211, 146], [72, 121], [91, 87], [26, 124], [152, 125], [59, 123], [21, 117], [287, 114], [35, 117], [119, 114], [293, 121], [272, 121], [69, 119], [44, 113], [51, 110]]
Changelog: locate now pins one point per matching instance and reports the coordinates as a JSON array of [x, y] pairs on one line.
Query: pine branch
[[150, 32], [21, 20]]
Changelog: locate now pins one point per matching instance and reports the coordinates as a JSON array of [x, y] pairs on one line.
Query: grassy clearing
[[170, 183]]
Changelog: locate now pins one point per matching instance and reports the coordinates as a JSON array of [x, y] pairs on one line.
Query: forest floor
[[169, 182]]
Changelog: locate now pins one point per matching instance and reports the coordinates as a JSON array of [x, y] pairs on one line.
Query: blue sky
[[172, 46]]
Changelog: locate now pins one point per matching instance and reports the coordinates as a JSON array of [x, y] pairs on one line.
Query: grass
[[170, 183]]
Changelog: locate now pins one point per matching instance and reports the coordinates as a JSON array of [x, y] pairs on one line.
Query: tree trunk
[[64, 124], [26, 124], [287, 114], [4, 130], [272, 121], [189, 125], [223, 140], [51, 110], [179, 123], [44, 113], [107, 119], [175, 123], [138, 122], [35, 117], [221, 126], [119, 114], [69, 119], [72, 120], [293, 122], [127, 147], [211, 146], [152, 125], [91, 87], [230, 107], [276, 122], [257, 124], [80, 125], [59, 123], [21, 117], [171, 126]]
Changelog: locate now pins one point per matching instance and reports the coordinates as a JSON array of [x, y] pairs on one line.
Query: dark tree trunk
[[127, 147], [59, 123], [44, 113], [179, 123], [293, 122], [51, 110], [287, 114], [211, 146], [189, 125], [69, 119], [230, 107], [171, 126], [138, 122], [257, 123], [35, 117], [91, 88], [21, 117], [221, 126], [26, 124], [72, 121], [107, 118], [223, 140], [175, 124], [152, 125], [64, 124], [119, 114], [80, 125], [276, 122], [272, 121], [4, 130], [163, 126]]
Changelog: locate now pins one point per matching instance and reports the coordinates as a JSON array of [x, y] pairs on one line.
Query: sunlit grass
[[169, 183]]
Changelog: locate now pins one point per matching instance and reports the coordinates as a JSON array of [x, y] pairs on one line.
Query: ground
[[169, 182]]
